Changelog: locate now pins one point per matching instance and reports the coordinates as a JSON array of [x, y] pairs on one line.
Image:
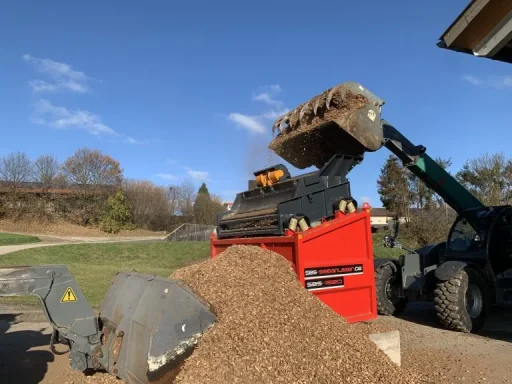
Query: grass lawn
[[382, 252], [12, 239], [95, 265]]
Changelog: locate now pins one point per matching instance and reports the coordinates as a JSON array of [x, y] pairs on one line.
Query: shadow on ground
[[19, 364], [498, 325]]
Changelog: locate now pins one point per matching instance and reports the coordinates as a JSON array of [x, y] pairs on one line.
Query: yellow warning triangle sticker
[[69, 296]]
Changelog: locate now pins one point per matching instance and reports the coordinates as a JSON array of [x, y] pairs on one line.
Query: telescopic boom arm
[[428, 170], [346, 119]]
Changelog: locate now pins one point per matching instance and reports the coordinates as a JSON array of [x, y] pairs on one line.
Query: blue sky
[[180, 91]]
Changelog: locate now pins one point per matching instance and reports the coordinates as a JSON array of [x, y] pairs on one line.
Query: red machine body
[[334, 261]]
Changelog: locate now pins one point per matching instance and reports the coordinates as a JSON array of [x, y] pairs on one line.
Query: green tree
[[421, 195], [445, 164], [203, 189], [118, 214], [206, 206], [202, 205], [393, 187]]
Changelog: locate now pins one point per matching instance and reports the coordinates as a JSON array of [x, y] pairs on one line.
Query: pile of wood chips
[[271, 330]]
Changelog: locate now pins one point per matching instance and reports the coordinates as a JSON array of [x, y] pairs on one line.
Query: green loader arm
[[428, 170]]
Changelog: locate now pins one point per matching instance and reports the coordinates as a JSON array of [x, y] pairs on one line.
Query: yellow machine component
[[269, 178]]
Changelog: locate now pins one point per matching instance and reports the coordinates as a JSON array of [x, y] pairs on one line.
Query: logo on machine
[[336, 271], [318, 284]]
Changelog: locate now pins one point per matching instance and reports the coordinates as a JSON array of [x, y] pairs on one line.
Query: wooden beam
[[482, 24]]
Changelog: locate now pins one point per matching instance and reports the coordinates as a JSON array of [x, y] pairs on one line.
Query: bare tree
[[173, 197], [489, 178], [16, 168], [91, 167], [187, 197], [428, 226], [149, 204], [46, 169]]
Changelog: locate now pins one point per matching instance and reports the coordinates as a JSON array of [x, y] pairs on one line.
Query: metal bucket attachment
[[158, 324], [345, 119]]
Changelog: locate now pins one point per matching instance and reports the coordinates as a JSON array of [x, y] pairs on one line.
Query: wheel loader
[[463, 276]]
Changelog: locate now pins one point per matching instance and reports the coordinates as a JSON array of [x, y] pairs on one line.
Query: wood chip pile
[[271, 330]]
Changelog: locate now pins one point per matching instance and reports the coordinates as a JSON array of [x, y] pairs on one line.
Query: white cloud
[[260, 123], [198, 175], [132, 140], [267, 98], [490, 81], [274, 114], [46, 113], [251, 123], [42, 86], [170, 161], [63, 75], [267, 94], [60, 117], [473, 80], [167, 176]]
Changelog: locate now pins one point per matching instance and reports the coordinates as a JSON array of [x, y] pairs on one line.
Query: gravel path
[[451, 357], [49, 241]]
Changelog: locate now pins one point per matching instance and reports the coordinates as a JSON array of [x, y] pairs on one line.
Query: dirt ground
[[66, 229], [451, 357]]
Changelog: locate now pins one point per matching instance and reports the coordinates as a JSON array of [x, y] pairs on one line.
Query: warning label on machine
[[318, 284], [69, 296], [336, 271]]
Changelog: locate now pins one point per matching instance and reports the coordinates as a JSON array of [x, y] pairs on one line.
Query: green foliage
[[400, 190], [118, 214], [202, 208], [203, 189], [393, 187], [206, 206]]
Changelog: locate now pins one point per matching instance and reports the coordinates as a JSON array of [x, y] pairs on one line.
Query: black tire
[[452, 302], [387, 281]]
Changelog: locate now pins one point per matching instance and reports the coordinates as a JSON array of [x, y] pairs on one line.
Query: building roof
[[483, 29]]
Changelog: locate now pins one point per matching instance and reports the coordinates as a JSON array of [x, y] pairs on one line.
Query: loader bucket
[[345, 119], [157, 321]]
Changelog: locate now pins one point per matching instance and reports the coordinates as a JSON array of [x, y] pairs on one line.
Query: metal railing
[[191, 232]]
